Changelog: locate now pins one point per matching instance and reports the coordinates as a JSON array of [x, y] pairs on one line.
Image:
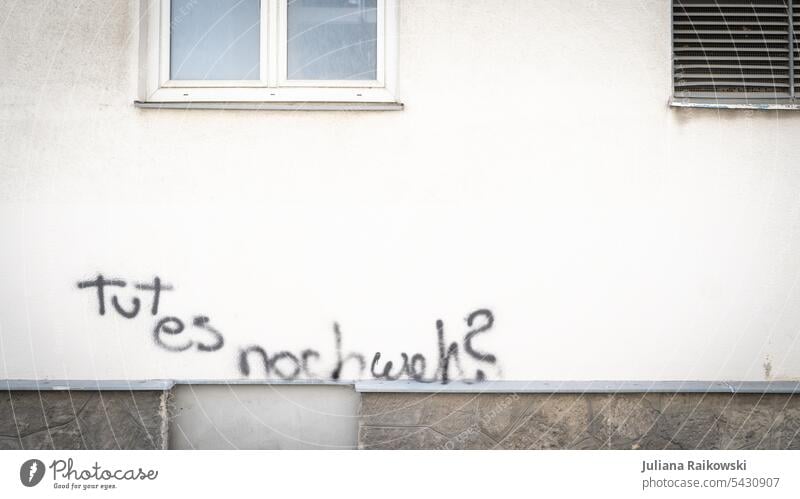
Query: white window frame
[[272, 86]]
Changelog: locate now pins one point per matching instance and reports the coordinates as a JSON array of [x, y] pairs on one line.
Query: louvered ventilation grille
[[795, 45], [735, 49]]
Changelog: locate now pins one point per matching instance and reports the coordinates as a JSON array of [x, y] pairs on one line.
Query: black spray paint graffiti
[[168, 334], [169, 326], [101, 282], [288, 366]]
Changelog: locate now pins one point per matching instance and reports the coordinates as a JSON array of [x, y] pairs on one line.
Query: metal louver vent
[[734, 49]]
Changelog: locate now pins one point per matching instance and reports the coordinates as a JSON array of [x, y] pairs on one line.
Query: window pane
[[216, 40], [332, 40]]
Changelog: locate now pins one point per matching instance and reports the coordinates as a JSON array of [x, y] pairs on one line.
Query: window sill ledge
[[275, 106], [715, 104]]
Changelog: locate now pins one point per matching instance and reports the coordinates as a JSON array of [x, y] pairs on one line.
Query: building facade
[[231, 227]]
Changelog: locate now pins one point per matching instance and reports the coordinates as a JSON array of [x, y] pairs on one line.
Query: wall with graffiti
[[509, 224]]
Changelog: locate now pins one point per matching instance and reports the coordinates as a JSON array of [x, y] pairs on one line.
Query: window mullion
[[263, 60], [273, 44]]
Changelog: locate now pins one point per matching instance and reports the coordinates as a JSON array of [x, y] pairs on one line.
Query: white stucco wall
[[536, 171], [263, 417]]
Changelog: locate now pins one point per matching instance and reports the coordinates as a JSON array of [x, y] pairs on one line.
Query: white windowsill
[[276, 106], [711, 104]]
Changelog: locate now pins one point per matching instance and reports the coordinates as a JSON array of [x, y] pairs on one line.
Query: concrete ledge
[[83, 419]]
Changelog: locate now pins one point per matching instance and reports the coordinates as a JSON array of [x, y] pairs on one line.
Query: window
[[267, 51], [735, 51]]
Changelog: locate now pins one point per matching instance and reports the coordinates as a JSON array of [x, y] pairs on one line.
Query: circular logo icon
[[31, 472]]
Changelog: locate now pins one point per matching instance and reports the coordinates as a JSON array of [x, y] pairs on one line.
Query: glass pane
[[332, 40], [216, 40]]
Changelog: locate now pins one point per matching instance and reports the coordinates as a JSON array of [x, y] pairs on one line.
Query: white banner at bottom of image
[[399, 474]]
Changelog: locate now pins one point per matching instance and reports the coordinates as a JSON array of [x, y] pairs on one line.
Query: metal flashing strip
[[582, 387], [408, 386], [275, 106], [721, 104], [85, 385], [282, 382]]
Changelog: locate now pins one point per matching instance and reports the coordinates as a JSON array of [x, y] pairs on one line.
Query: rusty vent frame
[[735, 50]]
